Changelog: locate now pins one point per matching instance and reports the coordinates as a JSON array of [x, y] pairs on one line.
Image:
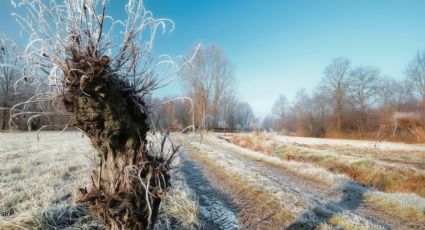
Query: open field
[[39, 181], [286, 183]]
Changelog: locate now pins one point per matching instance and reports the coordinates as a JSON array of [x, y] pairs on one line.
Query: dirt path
[[325, 201], [217, 211]]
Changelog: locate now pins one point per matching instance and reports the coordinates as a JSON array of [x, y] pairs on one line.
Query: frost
[[58, 31]]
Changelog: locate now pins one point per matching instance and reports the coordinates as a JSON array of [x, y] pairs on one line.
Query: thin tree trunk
[[3, 125], [338, 127], [423, 111]]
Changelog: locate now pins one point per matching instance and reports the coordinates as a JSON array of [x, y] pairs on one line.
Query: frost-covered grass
[[284, 204], [255, 202], [179, 206], [37, 176], [393, 203], [393, 172], [381, 175], [39, 181], [406, 205], [393, 146]]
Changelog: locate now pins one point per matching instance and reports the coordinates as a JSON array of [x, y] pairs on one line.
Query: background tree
[[167, 114], [10, 71], [100, 84], [301, 109], [280, 109], [229, 111], [394, 95], [207, 79], [321, 112], [268, 123], [183, 113], [244, 115], [363, 88], [416, 75], [335, 82]]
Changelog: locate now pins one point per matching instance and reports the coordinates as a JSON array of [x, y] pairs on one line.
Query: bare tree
[[10, 71], [302, 109], [184, 112], [394, 94], [364, 85], [244, 116], [321, 111], [100, 84], [268, 123], [229, 111], [167, 114], [416, 75], [208, 77], [280, 109], [335, 81]]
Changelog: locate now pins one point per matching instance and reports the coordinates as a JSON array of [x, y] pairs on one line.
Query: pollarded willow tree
[[99, 70]]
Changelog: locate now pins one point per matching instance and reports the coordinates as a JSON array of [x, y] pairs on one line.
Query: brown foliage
[[258, 143]]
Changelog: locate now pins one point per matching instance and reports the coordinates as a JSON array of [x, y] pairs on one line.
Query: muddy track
[[348, 197], [216, 209]]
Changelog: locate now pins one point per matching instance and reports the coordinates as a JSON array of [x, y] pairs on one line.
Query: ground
[[236, 181]]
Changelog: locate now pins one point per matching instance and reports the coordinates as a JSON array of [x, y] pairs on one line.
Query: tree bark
[[423, 111], [3, 125], [129, 182]]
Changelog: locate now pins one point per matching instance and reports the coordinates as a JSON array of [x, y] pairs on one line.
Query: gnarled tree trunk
[[129, 182], [102, 95]]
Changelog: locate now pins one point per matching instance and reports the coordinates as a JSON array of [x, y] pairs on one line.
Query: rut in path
[[216, 209], [347, 197]]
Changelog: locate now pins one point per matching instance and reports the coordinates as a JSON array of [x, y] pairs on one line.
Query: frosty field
[[237, 181]]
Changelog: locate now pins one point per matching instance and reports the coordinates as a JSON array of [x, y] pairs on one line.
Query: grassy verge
[[362, 169], [264, 206], [411, 206]]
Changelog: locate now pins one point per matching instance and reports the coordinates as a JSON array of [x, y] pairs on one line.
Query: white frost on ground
[[293, 199], [402, 200], [39, 180], [353, 143]]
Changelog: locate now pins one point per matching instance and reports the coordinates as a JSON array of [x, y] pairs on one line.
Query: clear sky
[[280, 46]]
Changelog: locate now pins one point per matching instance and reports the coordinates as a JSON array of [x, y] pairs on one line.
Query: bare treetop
[[76, 40], [82, 28]]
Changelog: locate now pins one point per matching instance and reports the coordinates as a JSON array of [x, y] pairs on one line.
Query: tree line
[[354, 100], [350, 100]]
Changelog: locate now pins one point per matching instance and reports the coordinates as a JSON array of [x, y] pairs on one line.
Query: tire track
[[345, 198], [217, 210]]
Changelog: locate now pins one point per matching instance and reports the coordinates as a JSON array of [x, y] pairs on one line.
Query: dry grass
[[261, 209], [362, 168], [345, 222], [179, 205], [404, 205], [265, 203], [260, 142], [400, 203]]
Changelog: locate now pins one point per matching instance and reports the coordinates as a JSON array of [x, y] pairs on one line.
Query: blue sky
[[280, 46]]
